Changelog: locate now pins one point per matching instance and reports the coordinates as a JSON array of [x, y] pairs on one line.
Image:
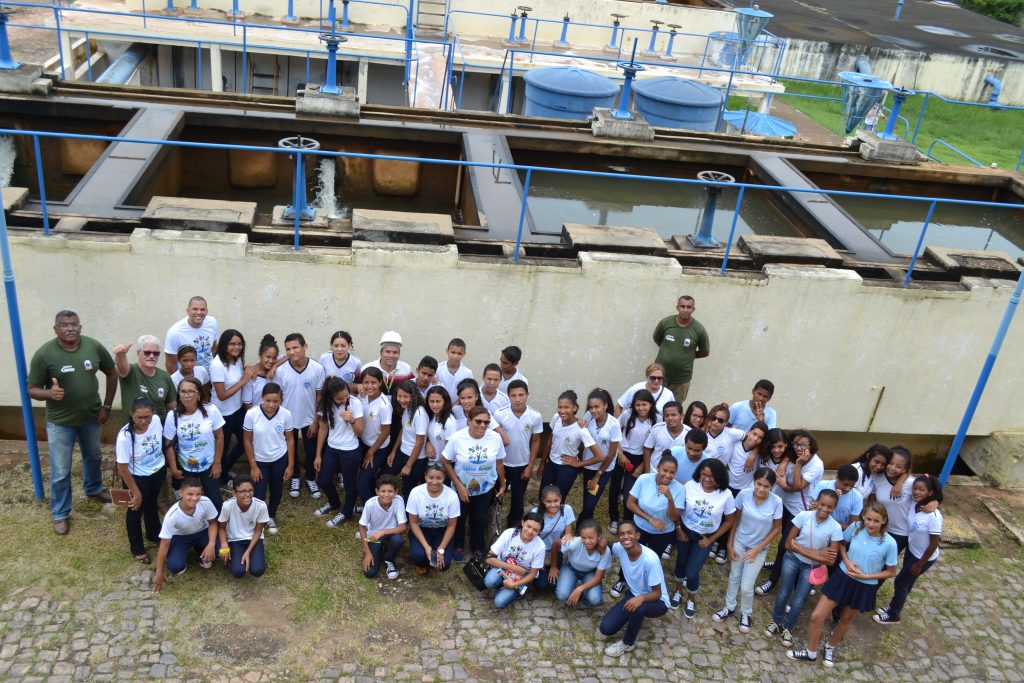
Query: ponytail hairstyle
[[570, 396], [268, 342], [332, 386], [468, 383], [603, 396], [766, 473], [415, 400], [446, 409], [934, 488], [760, 448], [342, 334], [550, 488], [652, 416], [878, 508], [140, 403]]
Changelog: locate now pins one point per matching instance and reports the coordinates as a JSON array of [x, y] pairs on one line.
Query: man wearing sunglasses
[[144, 378], [681, 340], [64, 372]]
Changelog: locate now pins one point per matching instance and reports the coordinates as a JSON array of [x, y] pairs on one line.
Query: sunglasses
[[151, 354], [481, 422]]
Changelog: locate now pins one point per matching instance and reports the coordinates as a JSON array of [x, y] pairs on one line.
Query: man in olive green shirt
[[681, 340], [144, 378], [64, 373]]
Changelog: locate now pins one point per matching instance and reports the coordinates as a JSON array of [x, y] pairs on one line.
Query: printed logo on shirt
[[87, 365], [143, 388], [670, 338], [68, 368], [161, 392], [686, 342], [528, 427], [149, 444], [279, 427], [476, 454], [307, 385], [721, 449], [517, 552]]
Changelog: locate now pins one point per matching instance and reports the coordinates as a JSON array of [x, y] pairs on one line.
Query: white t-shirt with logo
[[503, 385], [196, 439], [567, 438], [604, 436], [348, 371], [704, 511], [438, 434], [520, 430], [450, 380], [720, 447], [495, 404], [300, 389], [201, 374], [148, 456], [923, 525], [375, 414], [509, 547], [659, 440], [342, 437], [433, 512], [633, 443], [202, 338], [242, 523], [413, 426], [252, 392], [177, 522], [268, 433], [230, 375]]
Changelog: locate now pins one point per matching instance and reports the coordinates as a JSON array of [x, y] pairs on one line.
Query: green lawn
[[989, 135]]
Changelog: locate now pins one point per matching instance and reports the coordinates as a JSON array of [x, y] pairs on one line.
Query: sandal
[[143, 558]]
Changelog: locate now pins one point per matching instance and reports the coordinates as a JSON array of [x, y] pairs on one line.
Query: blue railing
[[950, 147], [932, 202]]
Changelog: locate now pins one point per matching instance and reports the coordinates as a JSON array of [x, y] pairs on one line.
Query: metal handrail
[[938, 141]]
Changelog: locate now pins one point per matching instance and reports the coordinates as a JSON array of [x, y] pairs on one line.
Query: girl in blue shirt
[[558, 518], [580, 574], [868, 556]]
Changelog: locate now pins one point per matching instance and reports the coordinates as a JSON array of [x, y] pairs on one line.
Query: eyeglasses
[[656, 378], [68, 326], [722, 420], [480, 422], [801, 446], [244, 492], [142, 418], [187, 392], [150, 354]]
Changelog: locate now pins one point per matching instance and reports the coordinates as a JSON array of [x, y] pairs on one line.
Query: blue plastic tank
[[567, 92], [672, 102], [729, 49]]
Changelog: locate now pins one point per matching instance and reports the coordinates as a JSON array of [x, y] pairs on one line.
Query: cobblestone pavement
[[960, 625]]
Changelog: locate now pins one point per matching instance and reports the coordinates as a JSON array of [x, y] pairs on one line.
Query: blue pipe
[[344, 16], [899, 10], [732, 229], [920, 242], [522, 28], [6, 61], [42, 185], [14, 316], [979, 388], [997, 88], [512, 28], [121, 69], [522, 212], [290, 14], [862, 66], [562, 42]]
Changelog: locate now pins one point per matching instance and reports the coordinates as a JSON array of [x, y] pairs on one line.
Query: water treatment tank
[[567, 92], [672, 102]]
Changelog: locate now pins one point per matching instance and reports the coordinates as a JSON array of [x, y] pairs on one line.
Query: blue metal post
[[245, 61], [899, 95], [920, 241], [654, 37], [299, 199], [60, 49], [920, 119], [235, 12], [671, 40], [170, 7], [563, 42], [732, 229], [704, 236], [42, 186], [899, 10], [330, 86], [522, 212], [6, 61], [290, 14], [512, 28], [14, 316], [979, 388], [614, 44], [199, 65], [511, 80], [194, 5], [630, 71], [522, 24], [725, 100], [344, 16], [410, 36]]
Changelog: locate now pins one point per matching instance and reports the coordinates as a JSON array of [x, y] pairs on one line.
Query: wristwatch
[[440, 551]]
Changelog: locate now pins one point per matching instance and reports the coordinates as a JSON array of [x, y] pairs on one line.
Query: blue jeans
[[690, 559], [503, 597], [177, 554], [384, 551], [420, 556], [569, 578], [742, 577], [272, 476], [61, 442], [617, 617], [794, 587], [904, 583], [257, 558], [366, 484]]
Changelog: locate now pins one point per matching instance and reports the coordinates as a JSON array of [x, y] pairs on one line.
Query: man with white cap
[[395, 371]]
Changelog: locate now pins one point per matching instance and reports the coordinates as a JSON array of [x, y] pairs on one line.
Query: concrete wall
[[830, 343]]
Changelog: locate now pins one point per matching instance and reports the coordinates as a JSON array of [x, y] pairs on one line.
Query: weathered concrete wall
[[830, 343], [1000, 458]]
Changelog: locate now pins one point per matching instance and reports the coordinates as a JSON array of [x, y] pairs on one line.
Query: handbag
[[120, 496], [819, 573], [475, 569]]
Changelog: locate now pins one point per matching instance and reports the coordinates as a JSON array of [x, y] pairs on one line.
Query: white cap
[[390, 337]]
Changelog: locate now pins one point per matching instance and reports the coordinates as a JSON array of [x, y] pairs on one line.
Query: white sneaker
[[391, 570], [295, 488], [314, 490], [618, 589], [271, 526], [322, 510], [177, 496], [667, 554], [618, 648], [613, 527], [336, 520]]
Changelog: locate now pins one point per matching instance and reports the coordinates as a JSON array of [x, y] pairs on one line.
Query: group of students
[[425, 453]]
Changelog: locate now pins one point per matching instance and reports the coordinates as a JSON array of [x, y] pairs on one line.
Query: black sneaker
[[744, 623], [802, 655], [618, 589], [722, 614], [720, 556], [885, 619], [675, 600], [768, 566], [691, 609], [829, 658], [765, 587]]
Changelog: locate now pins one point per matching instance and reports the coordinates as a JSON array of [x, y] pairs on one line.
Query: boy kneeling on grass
[[191, 523], [241, 530], [381, 527]]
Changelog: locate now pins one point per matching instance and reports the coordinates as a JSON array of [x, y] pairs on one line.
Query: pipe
[[121, 69], [862, 66], [997, 88]]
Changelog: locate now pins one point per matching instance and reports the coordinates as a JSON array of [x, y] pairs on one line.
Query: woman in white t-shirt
[[252, 394], [870, 464], [187, 367], [376, 432], [515, 558], [143, 469], [242, 519], [433, 511], [337, 449], [893, 490], [194, 440], [654, 385], [269, 438], [340, 361], [229, 376], [635, 423], [708, 516], [607, 434], [568, 440], [407, 458], [441, 425]]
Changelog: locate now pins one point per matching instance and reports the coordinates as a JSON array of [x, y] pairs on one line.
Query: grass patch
[[988, 135]]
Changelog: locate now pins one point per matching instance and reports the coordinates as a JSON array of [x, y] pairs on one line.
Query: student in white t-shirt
[[340, 361], [229, 376], [337, 449], [441, 426], [607, 434], [870, 463], [426, 379], [194, 440], [636, 422], [493, 398], [197, 329], [433, 511], [187, 367], [190, 524], [508, 361], [579, 574], [381, 527], [663, 436], [571, 446], [270, 447], [450, 373], [143, 469], [523, 425], [266, 364], [376, 436], [721, 438], [654, 385], [515, 559], [922, 547], [407, 458], [241, 530], [302, 380]]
